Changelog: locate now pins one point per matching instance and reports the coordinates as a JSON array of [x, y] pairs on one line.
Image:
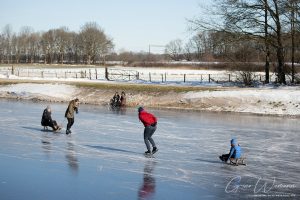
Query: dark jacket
[[46, 118], [123, 100], [147, 119]]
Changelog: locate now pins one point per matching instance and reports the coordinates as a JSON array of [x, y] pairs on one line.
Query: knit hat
[[140, 109], [233, 141], [48, 108]]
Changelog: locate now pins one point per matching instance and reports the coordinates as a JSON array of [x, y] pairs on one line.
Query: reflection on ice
[[147, 189], [71, 157]]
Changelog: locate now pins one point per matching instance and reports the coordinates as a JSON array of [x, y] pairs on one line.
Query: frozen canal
[[103, 158]]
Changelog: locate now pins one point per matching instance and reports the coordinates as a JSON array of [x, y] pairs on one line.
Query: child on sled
[[234, 153]]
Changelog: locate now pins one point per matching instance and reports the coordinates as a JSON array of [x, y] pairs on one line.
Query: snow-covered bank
[[47, 92], [279, 101], [265, 100]]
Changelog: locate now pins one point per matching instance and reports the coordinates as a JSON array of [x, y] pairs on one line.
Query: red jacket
[[147, 118]]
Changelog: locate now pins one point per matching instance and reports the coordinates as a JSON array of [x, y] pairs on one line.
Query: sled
[[49, 130], [237, 161]]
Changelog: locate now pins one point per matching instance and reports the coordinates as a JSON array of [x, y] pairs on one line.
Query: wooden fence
[[119, 74]]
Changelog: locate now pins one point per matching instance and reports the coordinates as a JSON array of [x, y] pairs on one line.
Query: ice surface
[[103, 157]]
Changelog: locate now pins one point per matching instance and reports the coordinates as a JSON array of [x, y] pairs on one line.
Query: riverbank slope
[[267, 100]]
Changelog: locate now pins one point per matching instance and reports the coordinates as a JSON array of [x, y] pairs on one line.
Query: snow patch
[[279, 101], [61, 91]]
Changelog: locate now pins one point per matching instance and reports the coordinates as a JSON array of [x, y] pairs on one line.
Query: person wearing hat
[[150, 124], [235, 151], [69, 114], [47, 120]]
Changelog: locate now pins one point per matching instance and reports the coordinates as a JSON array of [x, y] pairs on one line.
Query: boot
[[68, 131], [154, 150], [148, 152]]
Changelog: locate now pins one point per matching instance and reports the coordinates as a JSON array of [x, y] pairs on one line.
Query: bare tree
[[34, 48], [292, 14], [267, 48], [174, 49], [7, 35], [248, 18], [62, 42], [188, 50], [48, 46], [2, 53], [94, 42]]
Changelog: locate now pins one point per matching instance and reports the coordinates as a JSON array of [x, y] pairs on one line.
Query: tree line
[[237, 31], [88, 46], [243, 29]]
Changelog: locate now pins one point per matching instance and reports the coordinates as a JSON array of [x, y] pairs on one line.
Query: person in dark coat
[[47, 119], [73, 107], [150, 123], [123, 99], [116, 100]]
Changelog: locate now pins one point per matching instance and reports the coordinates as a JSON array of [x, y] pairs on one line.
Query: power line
[[155, 45]]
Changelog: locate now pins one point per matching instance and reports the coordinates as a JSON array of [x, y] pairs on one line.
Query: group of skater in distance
[[118, 101], [150, 125]]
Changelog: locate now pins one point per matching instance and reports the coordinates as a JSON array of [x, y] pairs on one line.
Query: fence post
[[138, 76], [149, 76], [76, 75], [229, 77], [162, 78], [96, 74], [201, 78], [209, 78], [165, 76], [84, 73], [106, 73], [184, 78], [90, 73]]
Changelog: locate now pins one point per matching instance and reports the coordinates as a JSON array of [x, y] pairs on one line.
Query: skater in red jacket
[[150, 123]]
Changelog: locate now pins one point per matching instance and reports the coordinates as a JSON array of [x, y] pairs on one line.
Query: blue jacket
[[235, 152]]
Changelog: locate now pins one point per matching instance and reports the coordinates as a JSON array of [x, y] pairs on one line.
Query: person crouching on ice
[[47, 120], [150, 123], [73, 107], [235, 151]]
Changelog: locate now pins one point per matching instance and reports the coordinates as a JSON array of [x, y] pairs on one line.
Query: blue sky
[[133, 24]]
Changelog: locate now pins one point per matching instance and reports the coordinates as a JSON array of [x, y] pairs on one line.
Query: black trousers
[[224, 157], [53, 125], [70, 123]]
